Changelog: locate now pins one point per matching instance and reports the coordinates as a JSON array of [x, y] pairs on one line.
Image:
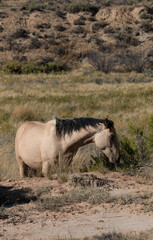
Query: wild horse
[[42, 145]]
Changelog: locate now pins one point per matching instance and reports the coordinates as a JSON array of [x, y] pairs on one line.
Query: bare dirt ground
[[128, 207]]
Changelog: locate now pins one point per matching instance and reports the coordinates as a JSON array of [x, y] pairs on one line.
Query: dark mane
[[64, 126]]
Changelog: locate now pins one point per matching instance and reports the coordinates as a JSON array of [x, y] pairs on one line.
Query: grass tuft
[[74, 196], [22, 113]]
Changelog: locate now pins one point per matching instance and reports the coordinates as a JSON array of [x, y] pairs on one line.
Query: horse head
[[106, 139]]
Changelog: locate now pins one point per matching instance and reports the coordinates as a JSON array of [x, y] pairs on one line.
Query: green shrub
[[55, 67], [149, 137], [32, 6], [4, 115], [134, 151], [100, 164], [12, 67], [77, 6], [127, 151], [43, 68], [31, 68]]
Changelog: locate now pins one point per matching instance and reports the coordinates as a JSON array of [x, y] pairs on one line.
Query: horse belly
[[29, 151], [31, 157]]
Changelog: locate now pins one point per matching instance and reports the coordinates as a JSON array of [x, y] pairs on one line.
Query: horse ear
[[106, 122]]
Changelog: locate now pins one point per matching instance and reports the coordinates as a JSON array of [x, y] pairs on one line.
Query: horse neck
[[79, 138]]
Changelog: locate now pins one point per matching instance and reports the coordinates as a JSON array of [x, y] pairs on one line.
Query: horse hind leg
[[21, 167]]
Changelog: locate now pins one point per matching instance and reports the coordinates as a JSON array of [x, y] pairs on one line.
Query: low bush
[[127, 29], [78, 22], [98, 26], [134, 149], [128, 151], [60, 28], [149, 137], [109, 30], [34, 43], [33, 67], [12, 67], [55, 67], [147, 26], [148, 72], [144, 15], [100, 164], [60, 13], [78, 30], [32, 6], [134, 61], [19, 33], [77, 6], [101, 62], [43, 26], [44, 68], [127, 38], [1, 29]]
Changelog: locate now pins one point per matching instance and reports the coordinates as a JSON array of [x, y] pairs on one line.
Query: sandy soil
[[20, 217]]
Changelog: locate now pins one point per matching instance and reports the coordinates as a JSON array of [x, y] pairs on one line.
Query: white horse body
[[39, 145]]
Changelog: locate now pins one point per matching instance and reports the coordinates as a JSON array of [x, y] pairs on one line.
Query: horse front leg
[[45, 168]]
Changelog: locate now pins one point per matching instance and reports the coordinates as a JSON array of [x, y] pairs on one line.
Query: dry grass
[[76, 94], [22, 113], [120, 236], [73, 94], [92, 195], [74, 196]]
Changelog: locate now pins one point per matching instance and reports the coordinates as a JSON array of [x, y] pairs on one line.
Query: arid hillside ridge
[[68, 32]]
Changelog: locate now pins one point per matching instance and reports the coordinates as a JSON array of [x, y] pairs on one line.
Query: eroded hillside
[[67, 30]]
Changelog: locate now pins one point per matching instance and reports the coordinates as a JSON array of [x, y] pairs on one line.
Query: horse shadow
[[10, 196]]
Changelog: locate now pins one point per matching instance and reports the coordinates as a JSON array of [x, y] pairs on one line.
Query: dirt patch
[[126, 208]]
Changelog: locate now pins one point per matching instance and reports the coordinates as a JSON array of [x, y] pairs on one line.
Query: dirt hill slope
[[62, 31]]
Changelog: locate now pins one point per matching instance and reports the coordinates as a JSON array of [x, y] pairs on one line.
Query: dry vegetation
[[65, 32], [42, 40], [54, 206], [84, 92], [77, 59]]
